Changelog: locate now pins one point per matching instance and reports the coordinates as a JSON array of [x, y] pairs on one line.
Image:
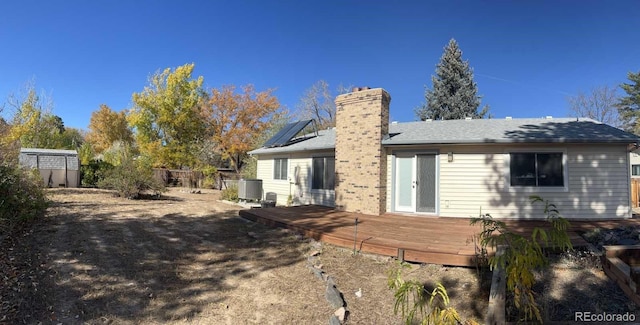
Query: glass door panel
[[426, 183]]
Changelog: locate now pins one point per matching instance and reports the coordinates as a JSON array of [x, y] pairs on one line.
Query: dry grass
[[189, 258]]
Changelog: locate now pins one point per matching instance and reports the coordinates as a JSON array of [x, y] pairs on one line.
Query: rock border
[[333, 296]]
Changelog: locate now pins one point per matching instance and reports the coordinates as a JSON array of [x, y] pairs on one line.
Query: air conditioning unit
[[250, 189]]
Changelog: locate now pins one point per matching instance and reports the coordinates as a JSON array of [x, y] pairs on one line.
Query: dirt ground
[[188, 258]]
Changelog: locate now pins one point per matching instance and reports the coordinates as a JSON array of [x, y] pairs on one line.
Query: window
[[635, 170], [323, 173], [537, 169], [280, 168]]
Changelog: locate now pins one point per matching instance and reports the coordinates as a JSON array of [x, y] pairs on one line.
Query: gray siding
[[299, 188]]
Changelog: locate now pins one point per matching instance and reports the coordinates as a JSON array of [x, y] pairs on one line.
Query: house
[[456, 168], [58, 168]]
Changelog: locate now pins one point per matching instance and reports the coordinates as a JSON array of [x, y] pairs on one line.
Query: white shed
[[58, 168]]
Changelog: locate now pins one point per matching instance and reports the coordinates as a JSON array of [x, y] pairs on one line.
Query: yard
[[188, 258]]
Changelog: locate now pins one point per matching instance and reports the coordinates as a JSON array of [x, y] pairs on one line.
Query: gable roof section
[[478, 131], [555, 130]]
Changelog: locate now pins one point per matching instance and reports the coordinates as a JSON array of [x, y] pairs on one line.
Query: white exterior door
[[415, 183], [405, 191]]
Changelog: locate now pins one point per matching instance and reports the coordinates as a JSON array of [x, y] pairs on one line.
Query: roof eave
[[270, 151], [510, 141]]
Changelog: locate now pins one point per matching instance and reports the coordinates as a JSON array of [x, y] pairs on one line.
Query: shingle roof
[[49, 151], [541, 130], [326, 139]]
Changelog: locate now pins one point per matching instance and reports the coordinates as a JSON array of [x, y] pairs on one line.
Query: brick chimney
[[362, 120]]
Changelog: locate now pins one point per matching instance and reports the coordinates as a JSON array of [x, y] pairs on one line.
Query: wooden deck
[[425, 239]]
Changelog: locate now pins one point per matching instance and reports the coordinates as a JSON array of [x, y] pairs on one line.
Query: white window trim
[[535, 189], [632, 175], [273, 170], [310, 177]]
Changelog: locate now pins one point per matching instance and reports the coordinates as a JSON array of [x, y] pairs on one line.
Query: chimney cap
[[355, 89], [509, 118]]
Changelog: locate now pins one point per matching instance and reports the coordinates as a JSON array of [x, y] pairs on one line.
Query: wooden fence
[[635, 192], [193, 178], [178, 177]]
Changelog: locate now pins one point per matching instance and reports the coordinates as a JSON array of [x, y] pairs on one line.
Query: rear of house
[[583, 180], [457, 168], [301, 173], [58, 168]]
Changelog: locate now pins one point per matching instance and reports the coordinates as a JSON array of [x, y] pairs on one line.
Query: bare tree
[[599, 104], [318, 104]]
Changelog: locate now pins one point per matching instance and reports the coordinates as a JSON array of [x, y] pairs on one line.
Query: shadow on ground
[[107, 267]]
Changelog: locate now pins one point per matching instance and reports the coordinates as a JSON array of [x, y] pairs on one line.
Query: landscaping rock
[[624, 235], [316, 244], [334, 320], [334, 297], [318, 273], [340, 313], [330, 281]]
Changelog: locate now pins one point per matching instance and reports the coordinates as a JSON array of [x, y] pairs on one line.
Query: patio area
[[423, 239]]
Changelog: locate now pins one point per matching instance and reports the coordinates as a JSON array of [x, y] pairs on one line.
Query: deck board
[[424, 239]]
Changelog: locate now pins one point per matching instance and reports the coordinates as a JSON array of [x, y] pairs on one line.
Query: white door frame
[[396, 184], [412, 208]]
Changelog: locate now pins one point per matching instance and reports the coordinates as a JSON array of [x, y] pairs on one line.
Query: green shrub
[[209, 172], [131, 179], [118, 153], [230, 193], [523, 255], [22, 197], [85, 153], [250, 168], [94, 172]]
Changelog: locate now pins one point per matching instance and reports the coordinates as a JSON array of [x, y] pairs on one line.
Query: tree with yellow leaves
[[166, 118], [234, 119], [33, 124], [106, 127]]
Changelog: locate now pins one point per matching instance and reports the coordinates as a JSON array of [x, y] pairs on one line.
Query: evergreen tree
[[454, 94], [629, 106]]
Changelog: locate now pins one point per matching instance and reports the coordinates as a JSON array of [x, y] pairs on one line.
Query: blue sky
[[528, 56]]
